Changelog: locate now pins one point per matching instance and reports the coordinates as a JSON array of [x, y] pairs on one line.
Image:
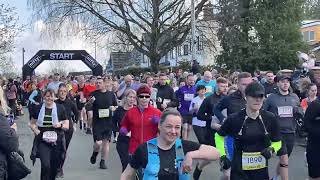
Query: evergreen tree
[[260, 34]]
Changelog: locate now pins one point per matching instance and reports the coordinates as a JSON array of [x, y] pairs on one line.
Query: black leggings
[[201, 133], [68, 136], [122, 149], [51, 158], [12, 104]]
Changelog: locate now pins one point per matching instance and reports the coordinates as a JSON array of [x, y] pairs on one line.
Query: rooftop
[[310, 23]]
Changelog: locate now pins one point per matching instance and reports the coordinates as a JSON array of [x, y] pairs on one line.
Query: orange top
[[304, 104]]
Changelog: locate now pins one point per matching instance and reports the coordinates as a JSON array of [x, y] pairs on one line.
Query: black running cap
[[255, 89]]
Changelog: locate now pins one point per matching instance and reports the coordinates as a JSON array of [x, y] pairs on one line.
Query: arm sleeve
[[219, 140], [221, 105], [31, 97], [275, 134], [219, 137], [190, 146]]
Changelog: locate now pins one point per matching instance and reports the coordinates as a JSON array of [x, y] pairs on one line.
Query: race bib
[[104, 113], [253, 161], [208, 89], [285, 111], [166, 101], [50, 136], [188, 97]]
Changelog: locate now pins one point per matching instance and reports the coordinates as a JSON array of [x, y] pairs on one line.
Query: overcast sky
[[30, 40]]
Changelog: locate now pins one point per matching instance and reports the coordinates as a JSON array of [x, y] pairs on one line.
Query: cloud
[[39, 26]]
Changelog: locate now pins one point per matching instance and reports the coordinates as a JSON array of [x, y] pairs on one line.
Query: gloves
[[123, 131], [155, 119], [267, 152], [225, 163]]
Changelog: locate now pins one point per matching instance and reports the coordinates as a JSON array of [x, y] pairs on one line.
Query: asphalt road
[[78, 167]]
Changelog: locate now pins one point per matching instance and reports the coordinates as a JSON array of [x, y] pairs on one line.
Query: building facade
[[310, 31]]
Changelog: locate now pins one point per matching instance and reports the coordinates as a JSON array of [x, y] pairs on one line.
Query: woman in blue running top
[[167, 157]]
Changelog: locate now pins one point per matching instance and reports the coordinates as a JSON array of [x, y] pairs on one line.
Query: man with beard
[[165, 96], [104, 102], [185, 94], [286, 106]]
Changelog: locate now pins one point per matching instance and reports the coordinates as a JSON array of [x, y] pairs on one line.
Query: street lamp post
[[23, 51], [193, 29], [95, 50]]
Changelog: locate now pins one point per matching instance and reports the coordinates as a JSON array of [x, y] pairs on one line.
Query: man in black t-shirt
[[103, 104]]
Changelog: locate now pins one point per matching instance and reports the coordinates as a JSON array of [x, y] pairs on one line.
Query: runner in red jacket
[[141, 121]]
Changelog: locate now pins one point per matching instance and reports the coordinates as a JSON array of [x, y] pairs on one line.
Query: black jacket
[[166, 92], [270, 88], [205, 112], [71, 109], [312, 123], [233, 103], [8, 143]]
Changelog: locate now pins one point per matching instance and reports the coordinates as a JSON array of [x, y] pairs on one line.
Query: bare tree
[[58, 67], [9, 29], [153, 27], [312, 9], [7, 67]]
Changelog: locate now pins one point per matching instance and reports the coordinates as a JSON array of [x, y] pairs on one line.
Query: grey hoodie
[[287, 108]]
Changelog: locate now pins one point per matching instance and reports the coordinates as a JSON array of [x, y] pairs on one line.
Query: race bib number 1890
[[253, 161]]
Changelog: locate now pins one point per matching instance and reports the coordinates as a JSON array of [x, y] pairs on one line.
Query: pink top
[[12, 92]]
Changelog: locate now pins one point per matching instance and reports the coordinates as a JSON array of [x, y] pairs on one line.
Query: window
[[172, 54], [179, 51], [200, 42], [185, 49], [144, 60], [309, 36]]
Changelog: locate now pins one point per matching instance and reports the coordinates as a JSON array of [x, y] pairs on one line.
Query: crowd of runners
[[239, 119]]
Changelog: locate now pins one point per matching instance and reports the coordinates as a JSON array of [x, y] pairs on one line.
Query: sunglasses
[[142, 96]]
